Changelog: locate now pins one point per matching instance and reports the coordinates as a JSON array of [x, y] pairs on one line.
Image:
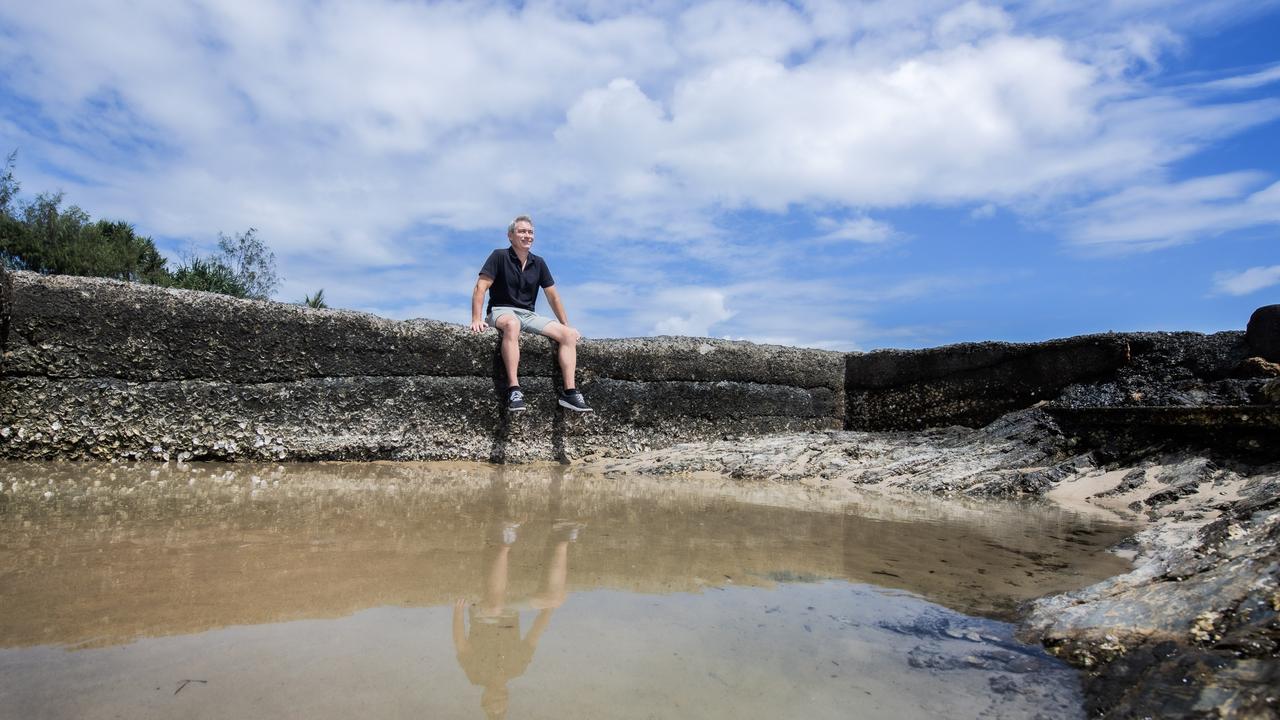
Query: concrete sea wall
[[103, 369]]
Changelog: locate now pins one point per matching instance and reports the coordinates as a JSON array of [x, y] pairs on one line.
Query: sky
[[843, 175]]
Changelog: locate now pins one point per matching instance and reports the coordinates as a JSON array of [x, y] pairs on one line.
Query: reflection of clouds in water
[[808, 650]]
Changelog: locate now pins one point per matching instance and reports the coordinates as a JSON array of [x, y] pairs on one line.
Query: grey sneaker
[[515, 400], [573, 400]]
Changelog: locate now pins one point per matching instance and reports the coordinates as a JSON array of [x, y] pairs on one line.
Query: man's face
[[522, 236]]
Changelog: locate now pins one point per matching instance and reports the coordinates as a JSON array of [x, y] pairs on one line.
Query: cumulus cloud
[[336, 118], [1248, 281], [377, 137], [687, 311]]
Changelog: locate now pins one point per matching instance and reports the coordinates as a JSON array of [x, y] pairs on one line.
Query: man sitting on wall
[[512, 276]]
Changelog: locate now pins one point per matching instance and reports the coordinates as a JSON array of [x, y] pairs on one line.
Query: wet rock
[[1193, 629], [1003, 685]]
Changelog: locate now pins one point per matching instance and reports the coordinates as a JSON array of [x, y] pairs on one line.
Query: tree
[[315, 301], [51, 239], [8, 185], [251, 261], [44, 236]]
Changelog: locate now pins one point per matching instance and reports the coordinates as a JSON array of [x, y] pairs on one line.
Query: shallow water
[[452, 590]]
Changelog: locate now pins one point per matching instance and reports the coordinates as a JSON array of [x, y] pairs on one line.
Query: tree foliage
[[8, 184], [315, 301], [47, 237], [210, 275], [251, 261]]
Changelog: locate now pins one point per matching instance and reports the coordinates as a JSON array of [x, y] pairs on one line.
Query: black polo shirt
[[513, 287]]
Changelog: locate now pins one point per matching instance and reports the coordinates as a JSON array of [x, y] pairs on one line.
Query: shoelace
[[517, 395]]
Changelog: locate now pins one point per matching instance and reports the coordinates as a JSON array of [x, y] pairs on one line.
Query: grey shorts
[[530, 322]]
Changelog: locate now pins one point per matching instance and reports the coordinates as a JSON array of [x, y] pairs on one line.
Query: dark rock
[[6, 302], [1270, 391], [1251, 431], [1169, 369], [971, 383], [1263, 332], [1003, 685]]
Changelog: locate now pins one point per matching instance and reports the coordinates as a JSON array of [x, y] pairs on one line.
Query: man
[[512, 277]]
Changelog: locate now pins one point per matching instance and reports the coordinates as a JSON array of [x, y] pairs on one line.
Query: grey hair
[[519, 218]]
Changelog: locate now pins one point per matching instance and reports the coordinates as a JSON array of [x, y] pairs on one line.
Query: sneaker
[[515, 400], [573, 400], [566, 530], [509, 533]]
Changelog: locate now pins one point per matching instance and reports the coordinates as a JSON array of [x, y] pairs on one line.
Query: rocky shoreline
[[1192, 631]]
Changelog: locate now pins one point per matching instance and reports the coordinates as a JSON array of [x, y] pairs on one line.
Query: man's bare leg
[[495, 580], [567, 338], [510, 327]]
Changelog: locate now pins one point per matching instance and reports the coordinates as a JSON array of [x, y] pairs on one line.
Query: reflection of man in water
[[494, 653]]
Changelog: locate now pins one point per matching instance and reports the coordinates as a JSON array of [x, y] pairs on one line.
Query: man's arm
[[477, 303], [557, 307]]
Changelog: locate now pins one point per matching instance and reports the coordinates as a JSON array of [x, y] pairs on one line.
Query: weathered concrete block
[[69, 327], [971, 383], [397, 418], [1263, 332], [1249, 431], [105, 369], [707, 359]]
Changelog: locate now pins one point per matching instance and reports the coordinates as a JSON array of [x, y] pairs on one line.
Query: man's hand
[[477, 302]]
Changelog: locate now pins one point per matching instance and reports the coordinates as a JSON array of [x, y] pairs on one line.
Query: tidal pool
[[336, 590]]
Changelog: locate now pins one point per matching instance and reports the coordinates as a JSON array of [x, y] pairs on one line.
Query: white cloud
[[365, 139], [860, 230], [1247, 281], [326, 122], [1154, 216], [971, 21], [687, 311], [1261, 78]]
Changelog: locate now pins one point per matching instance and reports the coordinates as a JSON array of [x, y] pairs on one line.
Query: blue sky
[[845, 175]]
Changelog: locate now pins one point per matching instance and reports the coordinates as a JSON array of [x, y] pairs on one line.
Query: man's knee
[[564, 334], [509, 325]]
